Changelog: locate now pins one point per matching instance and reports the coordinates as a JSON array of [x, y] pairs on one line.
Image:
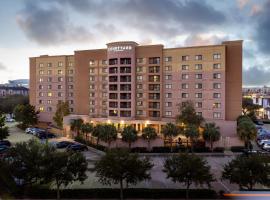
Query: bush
[[110, 193], [88, 143], [139, 150], [201, 149], [238, 148], [219, 149]]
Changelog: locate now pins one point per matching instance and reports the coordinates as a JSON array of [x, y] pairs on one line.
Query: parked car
[[63, 144], [77, 147], [262, 142], [259, 123], [5, 143], [3, 148], [10, 120], [45, 135], [266, 146]]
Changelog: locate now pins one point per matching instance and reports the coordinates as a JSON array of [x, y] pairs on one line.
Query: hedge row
[[114, 193]]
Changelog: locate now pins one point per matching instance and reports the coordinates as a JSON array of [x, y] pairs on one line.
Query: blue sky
[[34, 27]]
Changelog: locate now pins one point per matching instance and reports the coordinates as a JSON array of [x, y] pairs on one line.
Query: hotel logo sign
[[120, 48]]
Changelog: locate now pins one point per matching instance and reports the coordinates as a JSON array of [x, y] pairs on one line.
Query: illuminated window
[[49, 94], [41, 109]]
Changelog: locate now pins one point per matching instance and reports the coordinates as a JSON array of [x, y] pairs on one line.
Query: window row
[[58, 87], [60, 72], [196, 57], [59, 79], [59, 94], [197, 86], [59, 64], [40, 101]]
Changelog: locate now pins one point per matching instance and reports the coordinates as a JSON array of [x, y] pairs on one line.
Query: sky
[[31, 28]]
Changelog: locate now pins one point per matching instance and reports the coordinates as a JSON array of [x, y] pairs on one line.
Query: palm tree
[[149, 133], [87, 128], [98, 131], [76, 125], [211, 133], [191, 132], [109, 134], [246, 131], [129, 135], [170, 130]]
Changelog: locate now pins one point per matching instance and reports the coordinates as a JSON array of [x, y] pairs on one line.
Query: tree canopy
[[129, 135], [170, 131], [246, 131], [8, 103], [211, 133], [62, 110], [26, 115], [3, 129], [148, 134]]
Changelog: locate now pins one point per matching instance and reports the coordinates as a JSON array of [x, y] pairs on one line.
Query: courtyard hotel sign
[[120, 48]]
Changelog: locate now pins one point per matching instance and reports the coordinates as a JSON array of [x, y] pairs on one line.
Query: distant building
[[6, 90], [19, 82], [256, 90]]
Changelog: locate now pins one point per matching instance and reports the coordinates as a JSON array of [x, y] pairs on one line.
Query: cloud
[[202, 39], [50, 26], [256, 9], [256, 76], [242, 3], [2, 67]]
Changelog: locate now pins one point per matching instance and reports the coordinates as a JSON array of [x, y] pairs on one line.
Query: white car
[[262, 142], [266, 146], [10, 120]]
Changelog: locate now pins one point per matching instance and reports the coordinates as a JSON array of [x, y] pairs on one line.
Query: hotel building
[[128, 83]]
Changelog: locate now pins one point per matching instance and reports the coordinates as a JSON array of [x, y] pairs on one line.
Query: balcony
[[125, 87], [154, 60], [154, 87], [113, 61], [113, 79], [154, 114], [125, 69], [125, 78], [154, 105], [125, 96], [113, 96], [125, 113], [113, 113], [154, 78], [125, 104], [113, 104], [154, 69], [113, 87], [125, 61], [154, 96], [113, 70]]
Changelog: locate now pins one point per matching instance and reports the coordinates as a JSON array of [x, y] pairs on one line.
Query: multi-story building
[[136, 84], [7, 90]]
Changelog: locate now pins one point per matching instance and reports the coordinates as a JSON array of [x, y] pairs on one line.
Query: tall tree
[[188, 169], [246, 131], [248, 106], [87, 128], [188, 115], [170, 131], [148, 134], [76, 125], [3, 129], [109, 134], [129, 135], [62, 110], [8, 103], [118, 166], [98, 131], [247, 171], [26, 115], [211, 133], [192, 133]]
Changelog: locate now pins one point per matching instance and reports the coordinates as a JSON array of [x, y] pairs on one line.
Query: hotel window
[[60, 79], [216, 56], [71, 110], [40, 79], [92, 86], [184, 76], [104, 78], [154, 96], [49, 87], [92, 94], [41, 72], [40, 87], [125, 61], [104, 103], [92, 102], [70, 86], [41, 94], [104, 62], [70, 64], [154, 60], [198, 104], [198, 85], [184, 86], [113, 61], [40, 101], [92, 78], [91, 110], [216, 115], [104, 70], [216, 66], [184, 58], [49, 101], [199, 113], [139, 78], [60, 94], [91, 62], [41, 109], [41, 65], [139, 112], [70, 94], [154, 69], [198, 95], [60, 71], [168, 95], [104, 86], [59, 86], [198, 76], [104, 94], [139, 60], [139, 95], [184, 67], [168, 68], [168, 77], [139, 103], [154, 113], [49, 64], [49, 94], [216, 95], [216, 75], [49, 109], [154, 87], [49, 72], [49, 79], [216, 85], [139, 69], [154, 78], [92, 70], [70, 102], [70, 79], [198, 66], [168, 113], [168, 104], [198, 57], [60, 64], [70, 71], [168, 86], [217, 105], [113, 112], [184, 95], [139, 86], [168, 59]]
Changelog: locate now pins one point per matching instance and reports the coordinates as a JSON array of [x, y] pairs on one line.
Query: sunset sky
[[35, 27]]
